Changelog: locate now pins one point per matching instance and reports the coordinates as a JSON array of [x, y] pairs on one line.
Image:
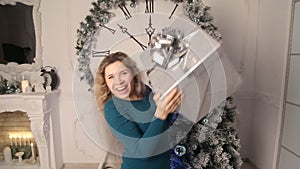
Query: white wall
[[60, 20], [237, 21], [269, 81], [255, 37]]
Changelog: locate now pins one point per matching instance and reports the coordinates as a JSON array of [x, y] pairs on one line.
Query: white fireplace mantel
[[43, 112]]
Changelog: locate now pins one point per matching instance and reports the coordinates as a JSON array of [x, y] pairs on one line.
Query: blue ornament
[[177, 163]]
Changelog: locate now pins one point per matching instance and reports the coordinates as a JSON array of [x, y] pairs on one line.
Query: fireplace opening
[[16, 136]]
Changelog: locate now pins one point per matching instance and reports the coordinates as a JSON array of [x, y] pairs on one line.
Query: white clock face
[[132, 36], [127, 32]]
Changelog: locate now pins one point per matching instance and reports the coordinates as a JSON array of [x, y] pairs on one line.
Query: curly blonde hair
[[101, 91]]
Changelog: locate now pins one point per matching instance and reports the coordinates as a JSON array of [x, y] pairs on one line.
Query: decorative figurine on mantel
[[20, 159], [38, 85], [50, 76]]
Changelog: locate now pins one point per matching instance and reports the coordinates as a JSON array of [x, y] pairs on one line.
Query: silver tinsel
[[202, 137], [201, 160]]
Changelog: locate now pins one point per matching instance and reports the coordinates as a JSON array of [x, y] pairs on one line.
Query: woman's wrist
[[160, 115]]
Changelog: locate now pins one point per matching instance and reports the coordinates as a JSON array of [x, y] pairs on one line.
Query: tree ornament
[[229, 102], [205, 121], [194, 146], [133, 4], [180, 150], [219, 119]]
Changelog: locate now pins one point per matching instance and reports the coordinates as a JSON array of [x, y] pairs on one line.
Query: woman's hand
[[167, 105]]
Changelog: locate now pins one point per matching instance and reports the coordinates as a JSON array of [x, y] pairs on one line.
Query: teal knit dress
[[144, 137]]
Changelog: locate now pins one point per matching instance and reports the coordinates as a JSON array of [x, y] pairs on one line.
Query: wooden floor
[[81, 166], [248, 166], [95, 166]]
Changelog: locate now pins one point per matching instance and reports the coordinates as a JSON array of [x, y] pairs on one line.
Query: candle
[[32, 152], [24, 85], [20, 139], [24, 138], [10, 137], [28, 139], [15, 137]]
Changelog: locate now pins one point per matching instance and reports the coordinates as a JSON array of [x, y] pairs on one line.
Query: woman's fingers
[[169, 104], [176, 100], [171, 95], [156, 97]]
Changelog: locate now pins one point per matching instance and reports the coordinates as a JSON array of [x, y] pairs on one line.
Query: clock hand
[[125, 30], [150, 30], [173, 11], [110, 29]]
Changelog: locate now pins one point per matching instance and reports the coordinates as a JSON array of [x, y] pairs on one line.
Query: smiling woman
[[135, 115]]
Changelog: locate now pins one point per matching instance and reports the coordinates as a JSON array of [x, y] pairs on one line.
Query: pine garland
[[9, 87]]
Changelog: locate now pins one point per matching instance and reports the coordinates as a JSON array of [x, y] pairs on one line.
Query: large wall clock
[[129, 26]]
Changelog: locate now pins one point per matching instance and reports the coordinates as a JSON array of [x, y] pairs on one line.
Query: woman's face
[[118, 78]]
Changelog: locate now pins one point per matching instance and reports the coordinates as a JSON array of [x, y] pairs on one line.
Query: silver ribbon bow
[[169, 47]]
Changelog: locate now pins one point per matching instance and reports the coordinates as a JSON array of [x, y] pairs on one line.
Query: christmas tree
[[212, 143]]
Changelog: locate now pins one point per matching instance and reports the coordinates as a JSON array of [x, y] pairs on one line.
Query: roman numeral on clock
[[149, 6], [100, 53], [125, 11]]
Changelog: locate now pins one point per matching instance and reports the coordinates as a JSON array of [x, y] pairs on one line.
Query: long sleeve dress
[[144, 137]]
